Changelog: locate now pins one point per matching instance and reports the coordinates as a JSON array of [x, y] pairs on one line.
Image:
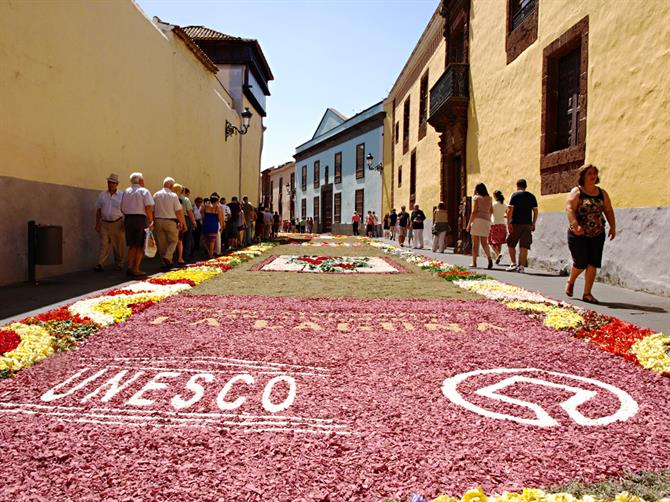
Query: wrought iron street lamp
[[246, 118], [379, 167]]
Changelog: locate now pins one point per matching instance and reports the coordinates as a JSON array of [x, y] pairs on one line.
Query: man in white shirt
[[137, 207], [109, 224], [169, 219]]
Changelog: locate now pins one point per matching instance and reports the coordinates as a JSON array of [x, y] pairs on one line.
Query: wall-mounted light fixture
[[290, 190], [246, 118], [379, 167]]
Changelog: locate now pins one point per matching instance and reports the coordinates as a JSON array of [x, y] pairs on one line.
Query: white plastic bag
[[149, 244]]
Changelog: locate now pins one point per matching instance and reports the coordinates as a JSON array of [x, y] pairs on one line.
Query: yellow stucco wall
[[90, 88], [628, 111], [252, 144], [427, 149]]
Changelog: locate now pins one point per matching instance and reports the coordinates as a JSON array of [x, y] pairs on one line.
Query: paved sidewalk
[[643, 309]]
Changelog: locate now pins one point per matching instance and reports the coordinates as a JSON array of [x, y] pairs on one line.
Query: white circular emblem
[[627, 405]]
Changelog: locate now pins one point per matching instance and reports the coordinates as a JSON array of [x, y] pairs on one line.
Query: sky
[[343, 54]]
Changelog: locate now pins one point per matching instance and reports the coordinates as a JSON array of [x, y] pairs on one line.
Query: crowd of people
[[212, 225], [184, 230], [492, 224]]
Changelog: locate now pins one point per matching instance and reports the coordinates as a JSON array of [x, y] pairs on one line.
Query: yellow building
[[411, 151], [280, 194], [93, 88], [534, 89]]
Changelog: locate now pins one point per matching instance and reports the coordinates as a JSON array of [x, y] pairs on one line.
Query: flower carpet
[[326, 399], [329, 264], [146, 393]]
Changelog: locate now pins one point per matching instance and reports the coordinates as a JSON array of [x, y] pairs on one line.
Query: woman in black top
[[585, 207], [417, 218]]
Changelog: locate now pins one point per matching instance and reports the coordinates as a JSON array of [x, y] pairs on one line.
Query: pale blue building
[[331, 170]]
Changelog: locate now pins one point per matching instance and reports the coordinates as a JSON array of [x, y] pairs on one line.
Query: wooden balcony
[[449, 96]]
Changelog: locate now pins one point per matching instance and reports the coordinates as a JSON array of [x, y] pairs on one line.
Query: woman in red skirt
[[498, 232]]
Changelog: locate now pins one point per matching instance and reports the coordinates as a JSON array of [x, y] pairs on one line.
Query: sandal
[[569, 289], [589, 298]]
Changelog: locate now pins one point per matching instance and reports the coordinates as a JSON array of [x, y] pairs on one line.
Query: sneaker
[[498, 259], [513, 267], [521, 270]]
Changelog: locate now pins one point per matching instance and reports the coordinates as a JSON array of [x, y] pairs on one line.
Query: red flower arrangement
[[59, 314], [138, 307], [168, 282], [615, 336], [116, 292], [9, 340]]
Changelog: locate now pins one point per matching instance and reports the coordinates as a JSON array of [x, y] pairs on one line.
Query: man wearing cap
[[137, 207], [169, 219], [109, 224]]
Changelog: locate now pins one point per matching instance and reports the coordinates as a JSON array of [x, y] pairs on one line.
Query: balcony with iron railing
[[449, 91]]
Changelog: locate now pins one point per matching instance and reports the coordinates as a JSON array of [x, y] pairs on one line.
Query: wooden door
[[327, 208]]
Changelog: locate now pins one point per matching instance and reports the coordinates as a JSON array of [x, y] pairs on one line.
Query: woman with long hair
[[480, 223]]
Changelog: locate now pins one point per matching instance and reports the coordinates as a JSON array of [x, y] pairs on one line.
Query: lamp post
[[379, 167], [246, 119]]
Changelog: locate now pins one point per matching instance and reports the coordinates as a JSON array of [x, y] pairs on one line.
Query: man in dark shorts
[[393, 221], [403, 222], [137, 206], [521, 218]]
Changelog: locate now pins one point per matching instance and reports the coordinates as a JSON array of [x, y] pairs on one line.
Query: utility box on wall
[[45, 247]]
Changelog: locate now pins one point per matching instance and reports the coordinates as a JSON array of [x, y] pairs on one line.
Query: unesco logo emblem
[[582, 391]]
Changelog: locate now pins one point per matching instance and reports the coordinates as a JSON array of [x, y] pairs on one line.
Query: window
[[303, 178], [281, 192], [292, 183], [272, 195], [316, 208], [303, 208], [316, 174], [326, 174], [412, 179], [405, 127], [360, 161], [337, 215], [338, 167], [564, 86], [521, 27], [399, 176], [359, 200], [397, 132], [423, 106]]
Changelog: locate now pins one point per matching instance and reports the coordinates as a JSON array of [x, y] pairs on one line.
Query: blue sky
[[344, 54]]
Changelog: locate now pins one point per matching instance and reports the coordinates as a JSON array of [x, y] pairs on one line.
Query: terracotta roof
[[195, 49], [192, 46], [200, 33], [204, 33]]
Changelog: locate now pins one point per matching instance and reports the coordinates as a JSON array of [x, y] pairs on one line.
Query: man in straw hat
[[109, 224]]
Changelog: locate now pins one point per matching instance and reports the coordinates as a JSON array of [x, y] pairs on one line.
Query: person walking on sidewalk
[[498, 232], [586, 231], [169, 222], [393, 224], [440, 227], [137, 207], [521, 218], [109, 224], [213, 223], [355, 223], [403, 223], [480, 223], [418, 217]]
